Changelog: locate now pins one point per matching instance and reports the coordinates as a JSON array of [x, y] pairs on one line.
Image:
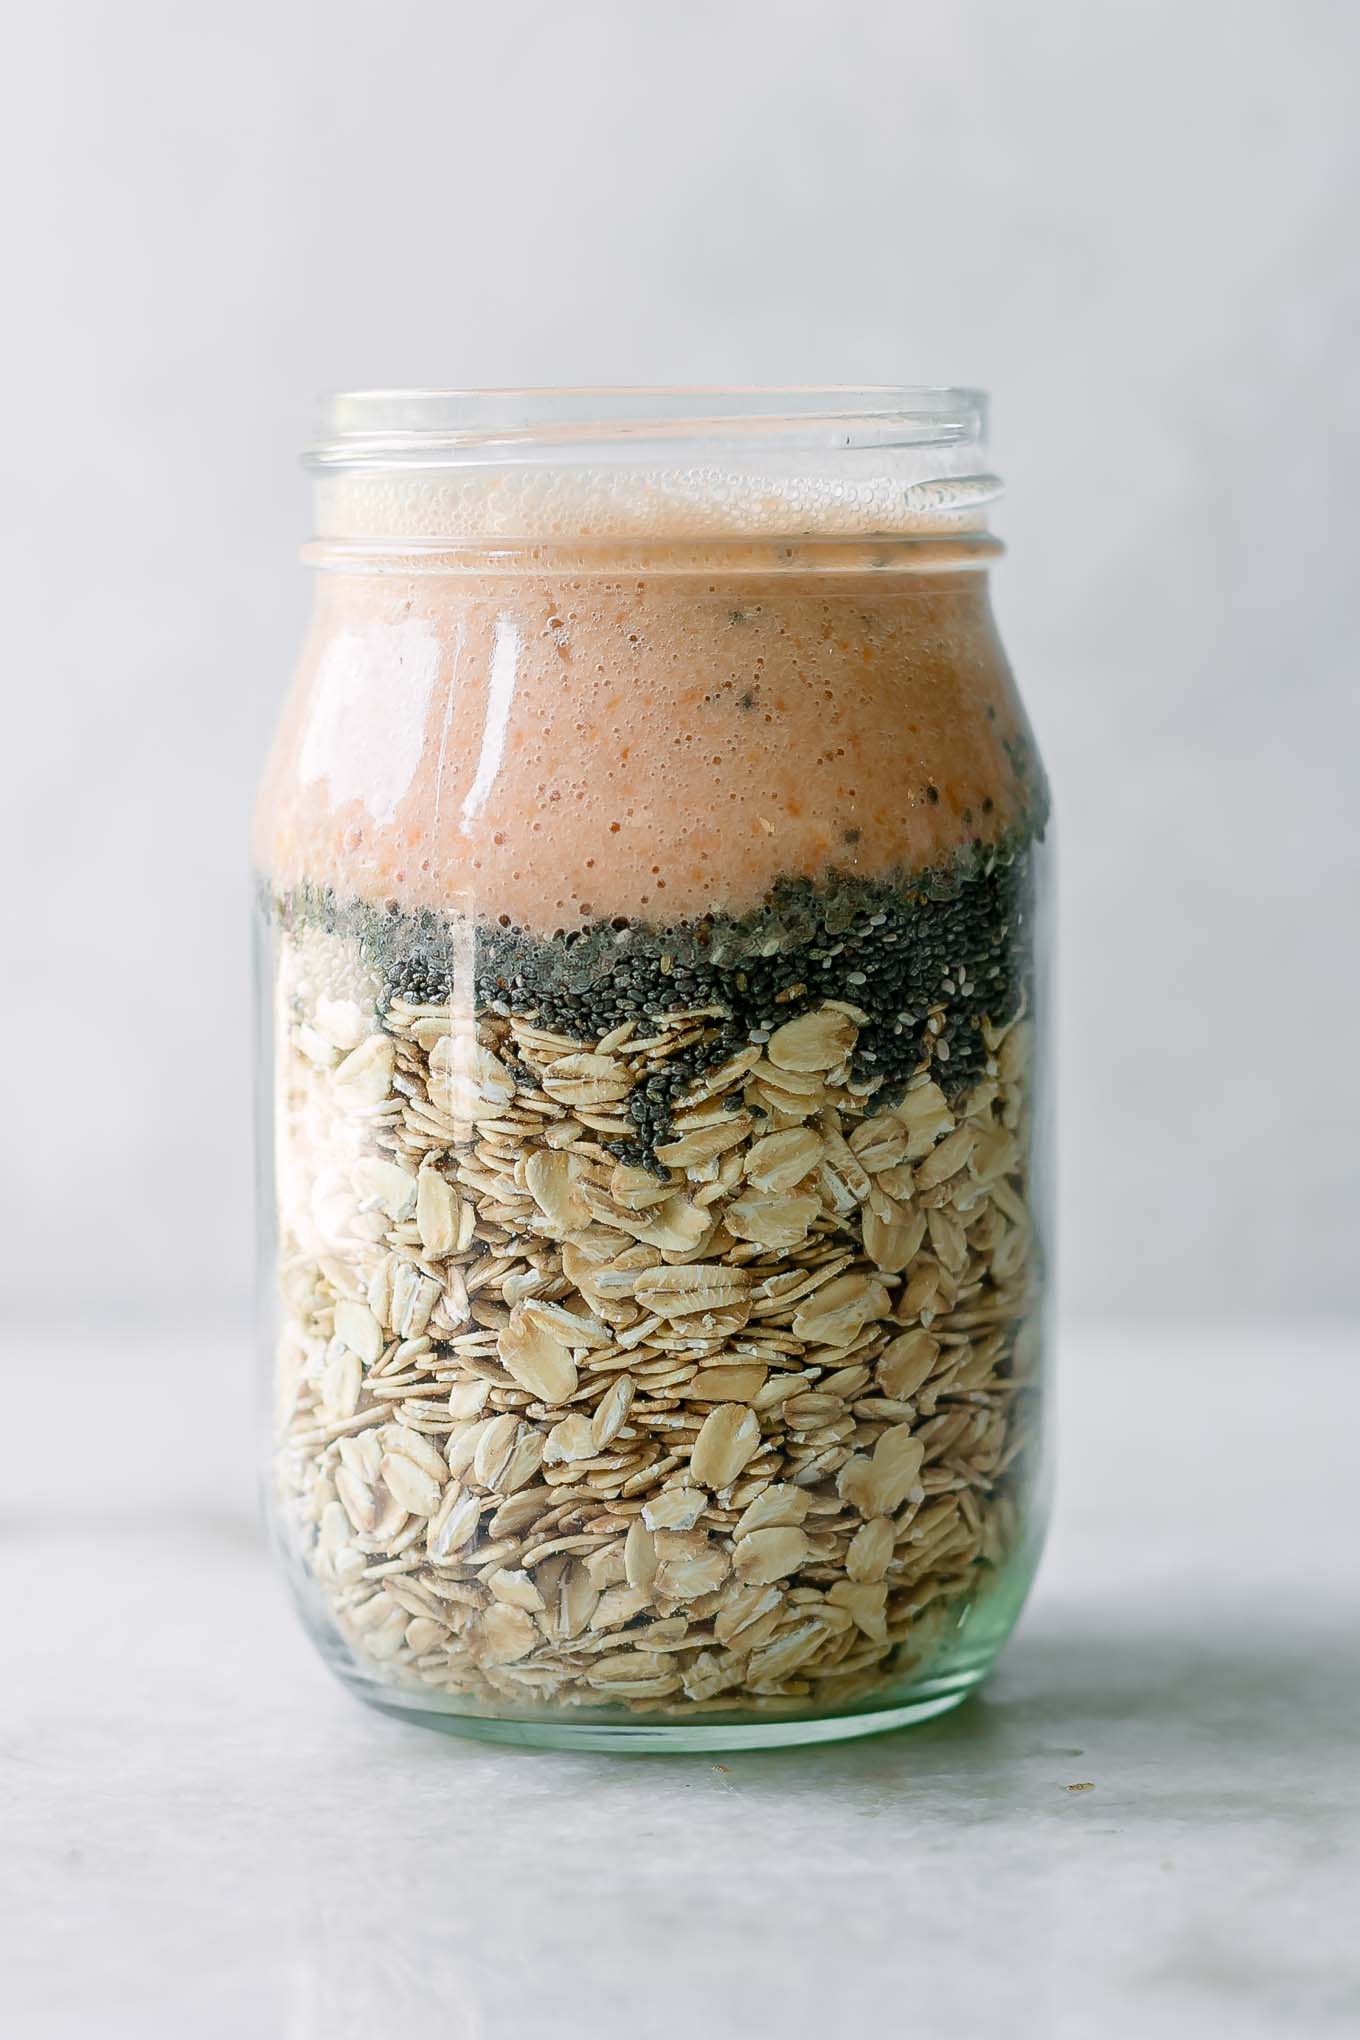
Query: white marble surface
[[203, 1836]]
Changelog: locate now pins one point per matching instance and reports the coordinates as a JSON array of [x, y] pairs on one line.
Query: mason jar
[[651, 907]]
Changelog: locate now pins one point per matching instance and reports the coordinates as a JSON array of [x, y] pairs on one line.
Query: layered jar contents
[[653, 1020]]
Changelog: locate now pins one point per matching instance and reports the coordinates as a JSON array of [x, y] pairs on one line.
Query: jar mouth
[[418, 426], [598, 465]]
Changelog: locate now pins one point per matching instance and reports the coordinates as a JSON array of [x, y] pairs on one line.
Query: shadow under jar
[[649, 883]]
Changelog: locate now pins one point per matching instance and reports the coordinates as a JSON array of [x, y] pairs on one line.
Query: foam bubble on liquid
[[894, 495]]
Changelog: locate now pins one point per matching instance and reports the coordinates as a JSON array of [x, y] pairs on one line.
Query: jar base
[[933, 1697]]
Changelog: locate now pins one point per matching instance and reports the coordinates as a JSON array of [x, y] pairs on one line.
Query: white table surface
[[203, 1836]]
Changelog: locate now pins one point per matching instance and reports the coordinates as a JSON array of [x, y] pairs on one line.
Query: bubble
[[837, 491]]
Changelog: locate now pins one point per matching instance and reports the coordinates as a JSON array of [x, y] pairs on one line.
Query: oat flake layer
[[718, 1405]]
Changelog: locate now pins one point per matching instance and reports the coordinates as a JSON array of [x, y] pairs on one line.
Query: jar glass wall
[[651, 891]]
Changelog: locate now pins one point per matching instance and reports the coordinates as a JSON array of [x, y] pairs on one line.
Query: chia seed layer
[[926, 957]]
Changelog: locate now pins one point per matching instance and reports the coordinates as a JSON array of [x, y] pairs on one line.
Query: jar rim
[[593, 466], [452, 427]]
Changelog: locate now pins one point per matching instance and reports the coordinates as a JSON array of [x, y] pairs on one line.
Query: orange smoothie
[[562, 747]]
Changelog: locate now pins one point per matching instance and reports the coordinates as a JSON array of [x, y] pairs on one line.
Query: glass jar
[[650, 896]]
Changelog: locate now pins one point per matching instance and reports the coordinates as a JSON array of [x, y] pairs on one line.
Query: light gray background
[[1134, 223]]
